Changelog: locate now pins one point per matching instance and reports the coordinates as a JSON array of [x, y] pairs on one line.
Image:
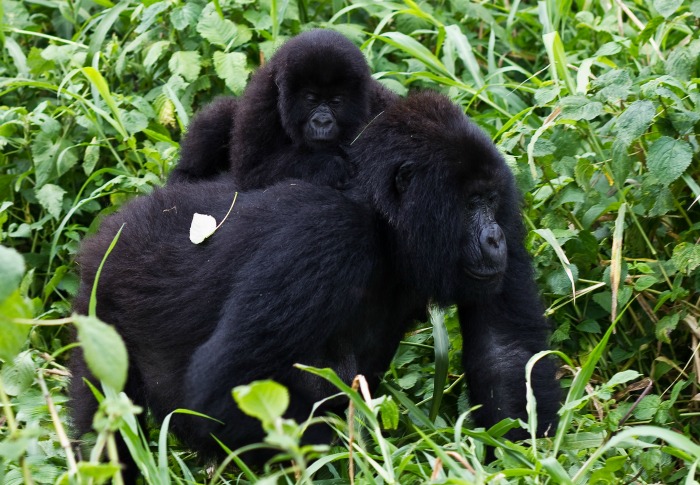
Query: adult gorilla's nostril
[[493, 243]]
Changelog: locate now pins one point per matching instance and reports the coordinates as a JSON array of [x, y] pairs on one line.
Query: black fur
[[204, 151], [295, 120], [311, 274]]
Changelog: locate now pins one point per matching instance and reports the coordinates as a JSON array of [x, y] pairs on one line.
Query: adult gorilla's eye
[[403, 176], [336, 101], [310, 97]]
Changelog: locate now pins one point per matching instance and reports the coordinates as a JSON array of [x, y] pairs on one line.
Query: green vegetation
[[595, 105]]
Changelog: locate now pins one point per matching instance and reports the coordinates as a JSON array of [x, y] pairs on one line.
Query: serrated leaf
[[50, 197], [134, 121], [546, 94], [186, 64], [215, 29], [634, 121], [647, 407], [665, 326], [686, 257], [103, 349], [580, 108], [202, 226], [264, 400], [11, 271], [14, 335], [668, 158], [154, 53], [389, 413], [17, 376], [232, 69], [185, 16]]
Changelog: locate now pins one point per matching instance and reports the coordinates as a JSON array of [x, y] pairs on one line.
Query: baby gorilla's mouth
[[323, 135]]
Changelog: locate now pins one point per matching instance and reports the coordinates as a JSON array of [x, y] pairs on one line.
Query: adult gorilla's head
[[323, 81], [423, 159]]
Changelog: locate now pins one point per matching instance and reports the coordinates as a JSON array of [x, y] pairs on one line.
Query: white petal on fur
[[203, 226]]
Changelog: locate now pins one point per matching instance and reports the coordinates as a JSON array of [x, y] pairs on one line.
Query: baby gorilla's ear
[[404, 175]]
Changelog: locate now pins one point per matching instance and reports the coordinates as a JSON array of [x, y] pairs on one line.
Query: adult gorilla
[[296, 118], [310, 274]]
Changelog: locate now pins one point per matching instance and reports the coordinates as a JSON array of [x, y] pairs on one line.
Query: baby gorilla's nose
[[322, 121]]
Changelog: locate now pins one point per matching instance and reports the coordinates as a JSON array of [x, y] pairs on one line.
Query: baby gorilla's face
[[321, 124]]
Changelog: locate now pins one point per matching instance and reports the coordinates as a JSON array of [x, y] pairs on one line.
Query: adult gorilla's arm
[[501, 333]]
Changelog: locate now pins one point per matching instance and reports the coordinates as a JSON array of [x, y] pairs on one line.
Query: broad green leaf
[[634, 121], [186, 15], [668, 158], [186, 64], [665, 326], [232, 69], [50, 197], [215, 29], [17, 376], [11, 271], [622, 377], [103, 349], [580, 108], [667, 7], [686, 257], [155, 51], [264, 400], [14, 335], [389, 414], [134, 121], [647, 407], [645, 282], [91, 157]]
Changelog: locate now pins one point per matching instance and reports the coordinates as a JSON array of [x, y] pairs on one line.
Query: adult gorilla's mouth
[[482, 276]]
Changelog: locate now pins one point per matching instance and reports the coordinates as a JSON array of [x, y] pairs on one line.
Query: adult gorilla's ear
[[403, 176]]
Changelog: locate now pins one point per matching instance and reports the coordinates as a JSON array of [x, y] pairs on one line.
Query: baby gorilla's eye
[[336, 101], [310, 98]]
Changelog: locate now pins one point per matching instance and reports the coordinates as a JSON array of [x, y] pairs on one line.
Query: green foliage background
[[596, 107]]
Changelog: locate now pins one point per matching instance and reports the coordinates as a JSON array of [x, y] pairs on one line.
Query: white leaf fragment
[[203, 226]]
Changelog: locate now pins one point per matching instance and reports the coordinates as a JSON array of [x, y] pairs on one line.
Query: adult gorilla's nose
[[493, 244]]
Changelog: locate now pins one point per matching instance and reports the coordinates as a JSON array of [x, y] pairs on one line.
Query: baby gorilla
[[306, 273], [295, 119]]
